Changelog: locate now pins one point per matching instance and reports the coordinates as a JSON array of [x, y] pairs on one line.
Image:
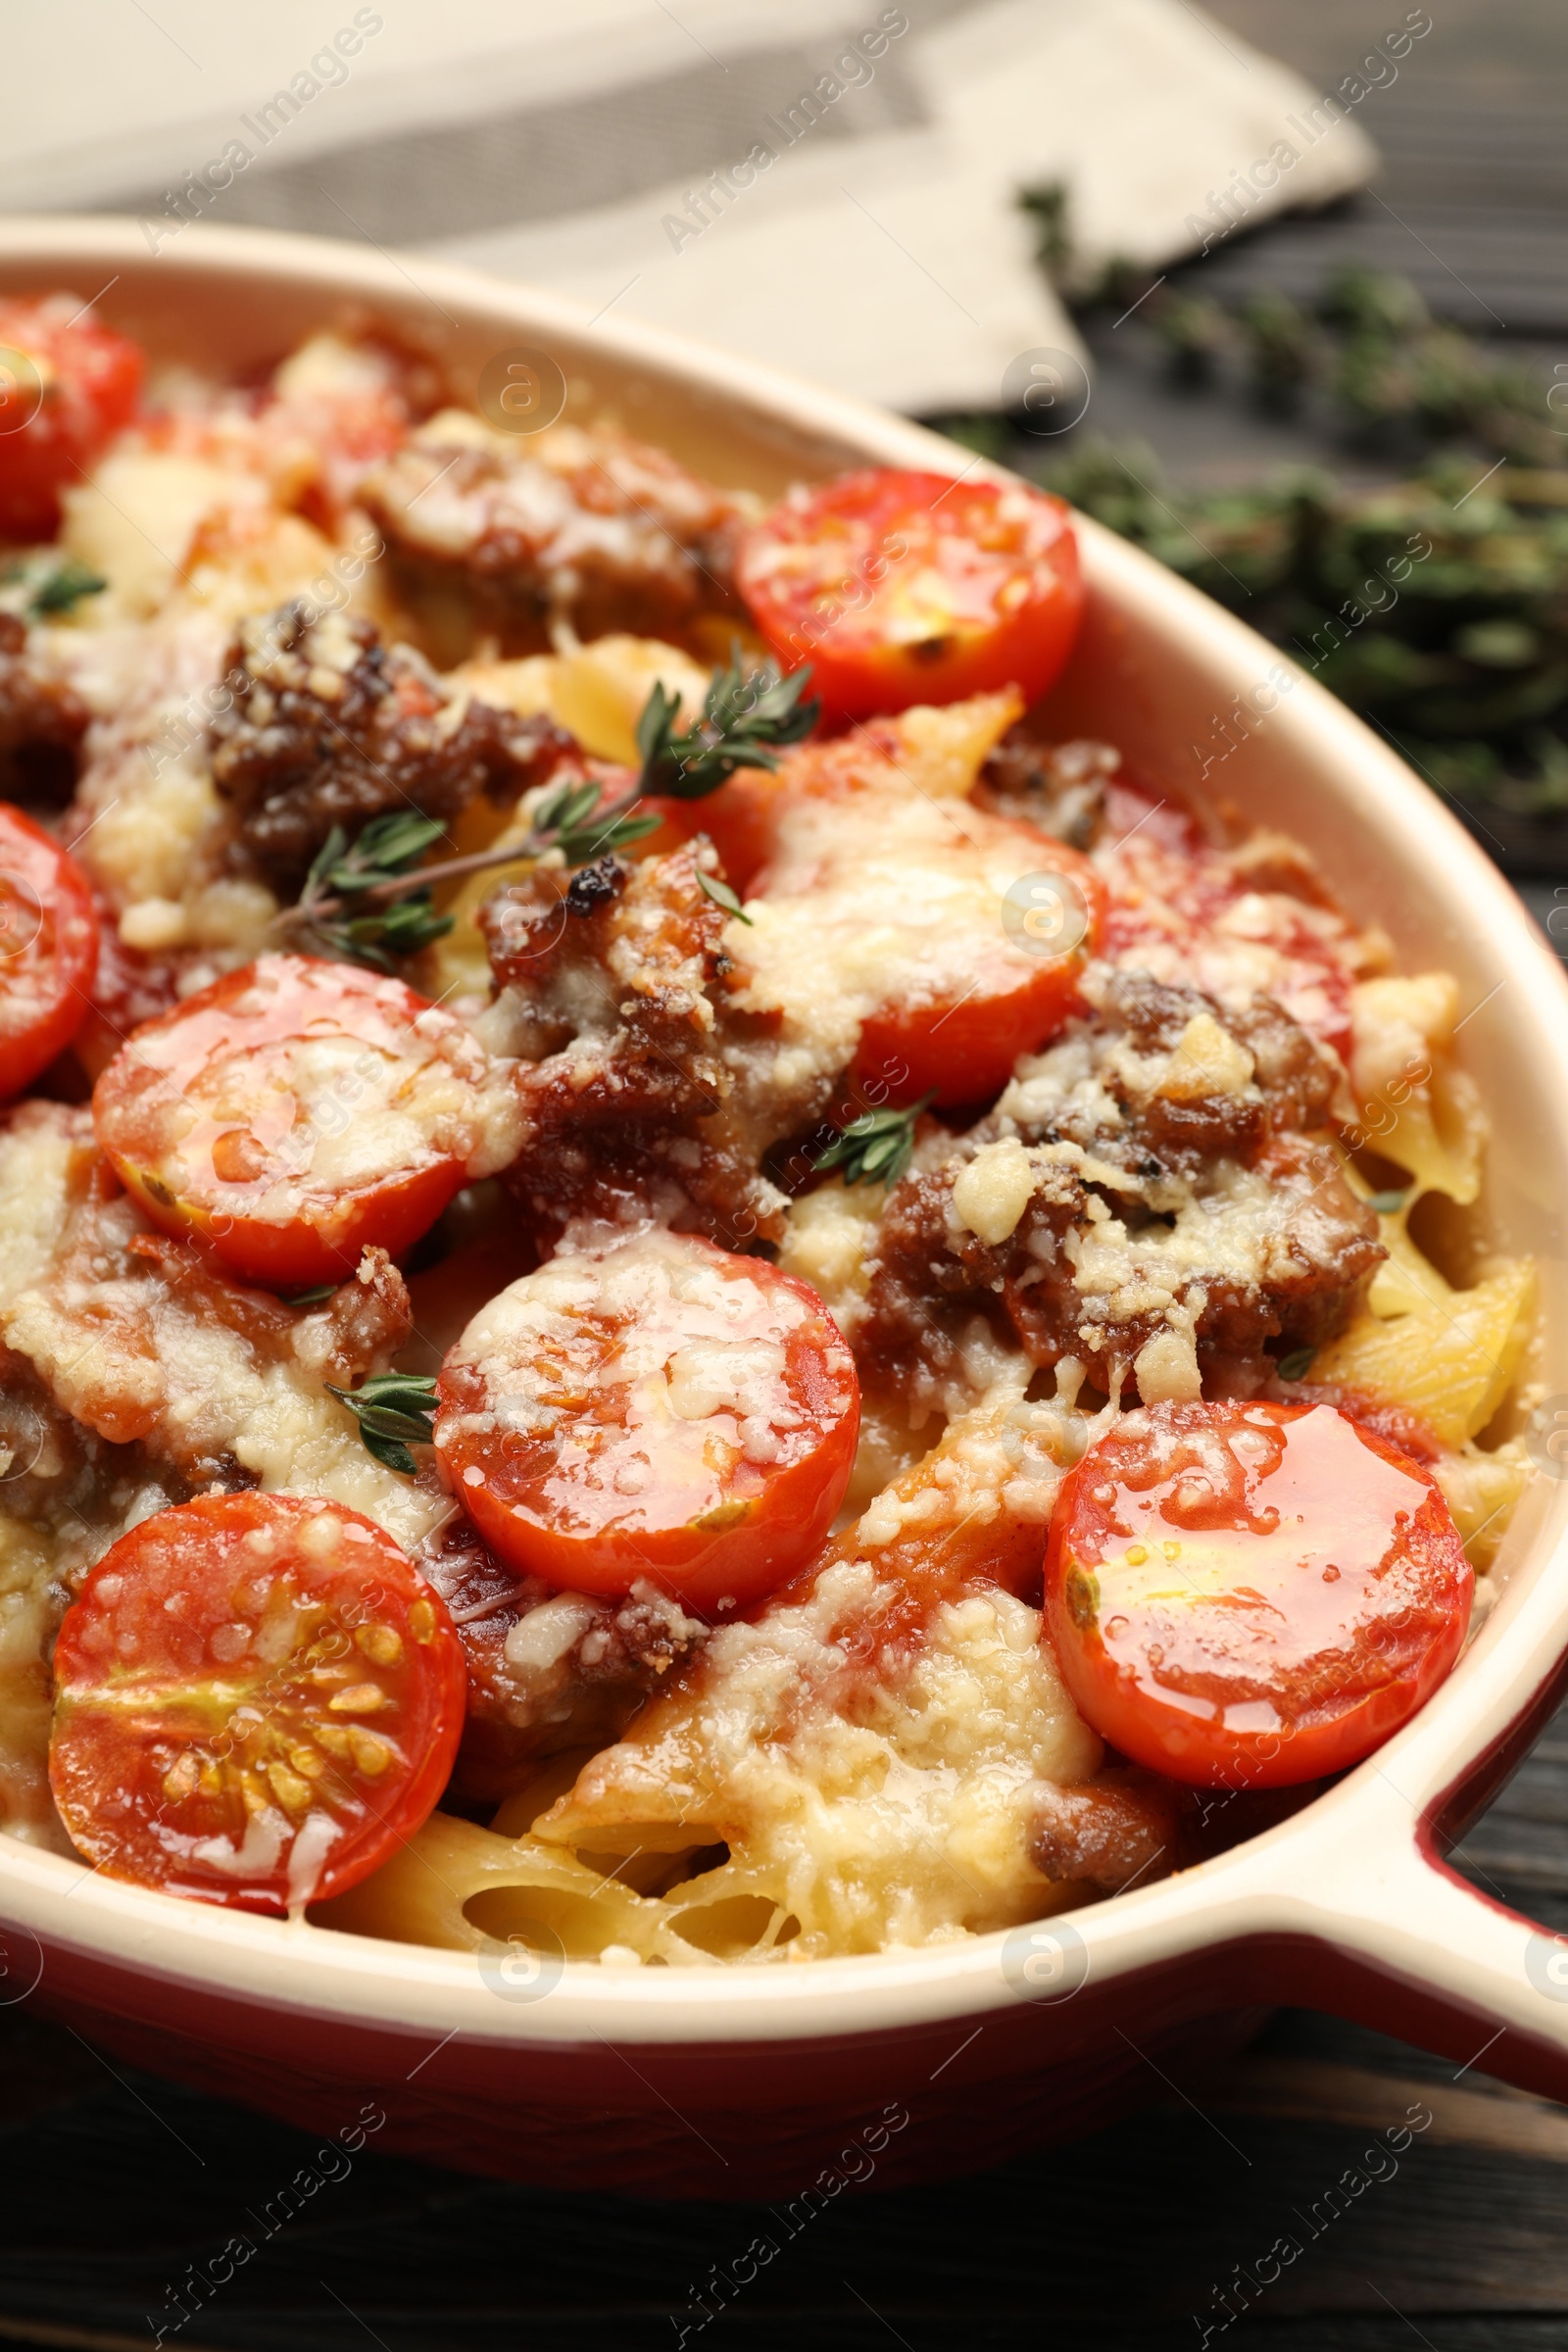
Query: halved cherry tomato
[[67, 383], [902, 588], [258, 1696], [995, 937], [1251, 1594], [299, 1110], [48, 950], [951, 938], [661, 1409], [955, 938]]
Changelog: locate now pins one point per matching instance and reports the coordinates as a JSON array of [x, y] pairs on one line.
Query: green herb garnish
[[746, 716], [393, 1409], [573, 822], [721, 895], [64, 587], [874, 1148], [1388, 1204], [50, 587], [371, 904], [1437, 605], [1297, 1366], [348, 901]]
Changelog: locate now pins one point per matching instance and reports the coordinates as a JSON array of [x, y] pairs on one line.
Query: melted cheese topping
[[653, 1371], [994, 1189], [887, 890], [880, 902], [870, 1744], [27, 1617], [826, 1244], [278, 1122], [870, 1747], [1185, 914], [125, 1355]]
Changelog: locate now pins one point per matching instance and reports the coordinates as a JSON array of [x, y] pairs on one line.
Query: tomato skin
[[555, 1434], [48, 950], [288, 1258], [196, 1747], [79, 384], [902, 587], [1304, 1594], [962, 1050], [215, 1182], [982, 922], [963, 1053], [739, 819]]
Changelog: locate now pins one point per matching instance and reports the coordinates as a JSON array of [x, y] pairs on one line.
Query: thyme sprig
[[368, 903], [876, 1148], [573, 824], [746, 716], [394, 1410], [372, 903]]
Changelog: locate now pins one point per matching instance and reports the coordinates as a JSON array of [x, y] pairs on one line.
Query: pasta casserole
[[674, 1288]]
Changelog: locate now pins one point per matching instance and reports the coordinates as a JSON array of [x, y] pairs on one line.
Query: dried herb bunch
[[1437, 606]]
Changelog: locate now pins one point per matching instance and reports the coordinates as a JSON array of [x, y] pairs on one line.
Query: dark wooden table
[[114, 2183]]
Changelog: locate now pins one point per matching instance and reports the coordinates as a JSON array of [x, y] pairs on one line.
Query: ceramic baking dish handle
[[1424, 1955]]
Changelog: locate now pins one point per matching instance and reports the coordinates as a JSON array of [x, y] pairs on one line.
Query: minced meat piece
[[42, 721], [1058, 787], [1134, 1086], [330, 727], [590, 526], [1107, 1832], [649, 1088], [547, 1670], [1173, 1187]]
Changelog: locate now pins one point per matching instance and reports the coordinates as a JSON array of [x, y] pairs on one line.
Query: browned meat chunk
[[363, 1322], [1171, 1193], [1060, 787], [1174, 1103], [42, 721], [1105, 1832], [330, 727], [546, 1670], [593, 526], [56, 1475], [650, 1092]]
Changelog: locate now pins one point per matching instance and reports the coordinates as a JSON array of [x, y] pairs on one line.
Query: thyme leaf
[[370, 903], [874, 1148], [394, 1410], [341, 902], [48, 587], [580, 845], [721, 895], [747, 717]]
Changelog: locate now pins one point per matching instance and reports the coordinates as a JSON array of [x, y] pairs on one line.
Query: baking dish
[[749, 2082]]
